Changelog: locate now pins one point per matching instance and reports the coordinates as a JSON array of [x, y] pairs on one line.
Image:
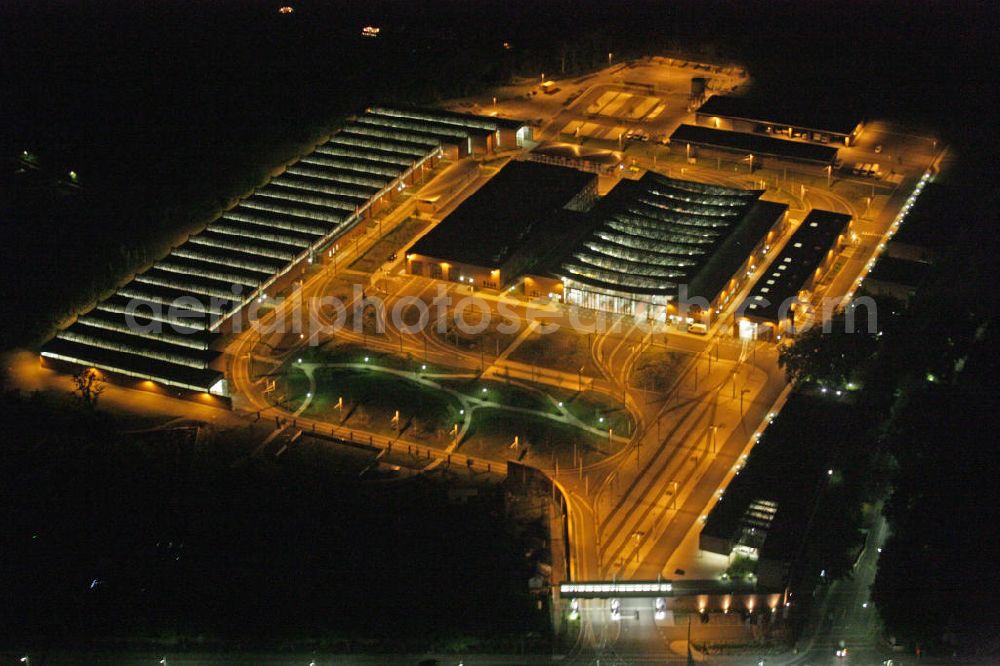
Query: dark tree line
[[928, 385]]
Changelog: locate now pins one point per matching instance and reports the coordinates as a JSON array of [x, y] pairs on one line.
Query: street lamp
[[638, 543], [714, 428]]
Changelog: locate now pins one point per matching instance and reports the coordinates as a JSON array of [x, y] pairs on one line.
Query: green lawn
[[493, 432], [372, 398], [511, 395]]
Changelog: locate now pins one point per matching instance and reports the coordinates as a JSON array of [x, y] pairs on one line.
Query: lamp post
[[742, 393]]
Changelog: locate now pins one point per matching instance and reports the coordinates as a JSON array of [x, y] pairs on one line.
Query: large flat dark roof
[[817, 117], [717, 271], [755, 144], [930, 221], [899, 271], [496, 220], [787, 467], [791, 269]]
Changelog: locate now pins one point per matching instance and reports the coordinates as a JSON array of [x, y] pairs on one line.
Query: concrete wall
[[777, 130], [479, 277], [714, 544], [536, 286], [713, 155], [898, 250]]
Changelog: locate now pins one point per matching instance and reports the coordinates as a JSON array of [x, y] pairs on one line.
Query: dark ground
[[115, 540]]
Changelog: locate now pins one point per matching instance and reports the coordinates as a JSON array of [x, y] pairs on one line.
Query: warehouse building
[[763, 516], [164, 328], [896, 278], [925, 235], [697, 141], [785, 289], [486, 133], [504, 229], [665, 248], [819, 124]]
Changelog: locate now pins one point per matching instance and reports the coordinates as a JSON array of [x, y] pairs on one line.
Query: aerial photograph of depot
[[499, 332]]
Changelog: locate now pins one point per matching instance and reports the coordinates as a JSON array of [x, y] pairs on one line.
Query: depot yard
[[563, 350], [380, 252]]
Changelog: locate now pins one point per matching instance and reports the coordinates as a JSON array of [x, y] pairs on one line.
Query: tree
[[89, 386], [831, 357]]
